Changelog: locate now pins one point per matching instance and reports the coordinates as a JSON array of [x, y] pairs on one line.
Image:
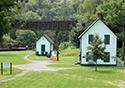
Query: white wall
[[51, 47], [102, 29], [43, 41]]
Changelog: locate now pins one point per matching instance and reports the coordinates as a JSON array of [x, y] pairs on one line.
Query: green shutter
[[108, 58], [107, 39], [90, 38], [87, 59]]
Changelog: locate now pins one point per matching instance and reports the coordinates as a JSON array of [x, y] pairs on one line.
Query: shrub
[[71, 47], [63, 45], [119, 51]]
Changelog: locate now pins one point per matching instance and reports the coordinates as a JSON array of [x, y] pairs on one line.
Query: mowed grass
[[63, 65], [16, 57], [59, 79], [67, 58], [82, 77], [35, 57], [70, 52], [6, 73]]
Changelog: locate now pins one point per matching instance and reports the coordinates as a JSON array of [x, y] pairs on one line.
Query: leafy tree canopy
[[97, 49], [8, 8]]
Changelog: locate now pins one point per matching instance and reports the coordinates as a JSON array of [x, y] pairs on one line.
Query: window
[[107, 39], [88, 59], [108, 58], [90, 38]]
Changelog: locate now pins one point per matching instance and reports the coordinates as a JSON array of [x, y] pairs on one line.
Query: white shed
[[44, 45], [98, 26]]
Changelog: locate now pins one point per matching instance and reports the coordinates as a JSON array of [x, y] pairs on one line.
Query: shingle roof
[[48, 38]]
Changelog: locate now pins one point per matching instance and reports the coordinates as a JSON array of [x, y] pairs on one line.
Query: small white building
[[44, 45], [98, 26]]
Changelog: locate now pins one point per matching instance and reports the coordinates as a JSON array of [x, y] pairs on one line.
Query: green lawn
[[59, 79], [67, 58], [6, 73], [63, 65], [16, 57], [82, 77], [70, 52], [34, 57]]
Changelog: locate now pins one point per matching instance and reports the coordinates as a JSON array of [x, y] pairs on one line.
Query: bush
[[119, 51], [71, 47], [63, 45]]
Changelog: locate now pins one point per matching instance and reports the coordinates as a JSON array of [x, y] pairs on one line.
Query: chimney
[[99, 15]]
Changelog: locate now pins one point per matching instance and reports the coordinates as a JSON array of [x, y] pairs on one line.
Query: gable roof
[[91, 26], [48, 38]]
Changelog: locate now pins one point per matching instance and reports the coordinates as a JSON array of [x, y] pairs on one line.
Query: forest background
[[82, 11]]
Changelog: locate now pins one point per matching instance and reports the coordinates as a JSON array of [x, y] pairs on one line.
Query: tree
[[63, 45], [8, 41], [97, 49], [30, 16], [113, 14], [26, 38], [88, 9], [7, 12], [74, 34], [60, 36]]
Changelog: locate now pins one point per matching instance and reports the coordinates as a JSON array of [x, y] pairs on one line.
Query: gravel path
[[37, 65], [34, 66]]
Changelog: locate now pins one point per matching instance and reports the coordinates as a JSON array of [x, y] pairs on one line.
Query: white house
[[44, 45], [98, 26]]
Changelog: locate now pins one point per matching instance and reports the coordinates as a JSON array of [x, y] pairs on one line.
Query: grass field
[[81, 77], [6, 73], [16, 57], [34, 57], [84, 77], [67, 58]]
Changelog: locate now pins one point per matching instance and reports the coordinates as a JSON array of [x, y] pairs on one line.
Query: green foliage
[[112, 14], [71, 47], [47, 10], [74, 34], [96, 48], [114, 11], [31, 16], [26, 38], [59, 37], [7, 12], [7, 41], [119, 52], [63, 45]]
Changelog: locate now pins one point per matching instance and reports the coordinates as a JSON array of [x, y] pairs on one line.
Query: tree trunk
[[96, 66], [123, 43]]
